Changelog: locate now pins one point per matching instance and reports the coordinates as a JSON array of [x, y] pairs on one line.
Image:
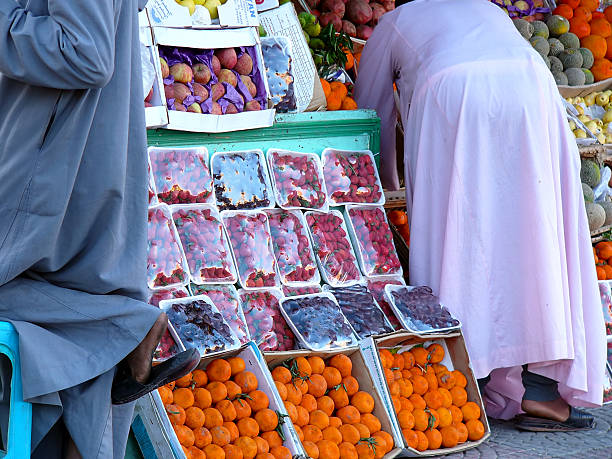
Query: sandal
[[577, 420], [125, 389]]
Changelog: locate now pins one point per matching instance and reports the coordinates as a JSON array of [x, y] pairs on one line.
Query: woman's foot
[[140, 359], [556, 410]]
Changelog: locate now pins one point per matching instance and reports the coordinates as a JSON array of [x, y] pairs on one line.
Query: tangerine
[[349, 433], [343, 364], [332, 377], [450, 437], [183, 397], [267, 420], [280, 452], [312, 433], [304, 367], [348, 451], [423, 442], [303, 416], [199, 378], [470, 411], [227, 410], [220, 436], [317, 385], [475, 429], [248, 447], [233, 452], [258, 400], [248, 427], [194, 417], [350, 415], [202, 398], [363, 401], [281, 374], [273, 438], [317, 365], [166, 395], [185, 435], [214, 452], [237, 365], [312, 450], [325, 404], [202, 437], [320, 419], [219, 370], [332, 434], [262, 445], [405, 419], [462, 432], [309, 402], [247, 381], [212, 418], [412, 440], [328, 450], [185, 381], [242, 408], [370, 421], [434, 437], [218, 391]]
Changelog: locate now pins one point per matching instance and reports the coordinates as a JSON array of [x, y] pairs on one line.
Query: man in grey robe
[[73, 215]]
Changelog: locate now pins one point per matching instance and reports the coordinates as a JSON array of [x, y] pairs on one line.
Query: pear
[[211, 6], [579, 109], [580, 134], [572, 125], [601, 138], [592, 126], [590, 99], [584, 118], [578, 100], [602, 99]]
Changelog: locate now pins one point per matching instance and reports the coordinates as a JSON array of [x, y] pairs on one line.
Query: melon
[[588, 76], [540, 29], [569, 40], [571, 59], [555, 64], [587, 193], [540, 45], [607, 207], [560, 78], [557, 25], [525, 28], [587, 57], [556, 47], [589, 173], [596, 215], [575, 77]]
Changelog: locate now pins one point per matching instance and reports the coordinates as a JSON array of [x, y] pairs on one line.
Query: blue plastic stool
[[20, 416]]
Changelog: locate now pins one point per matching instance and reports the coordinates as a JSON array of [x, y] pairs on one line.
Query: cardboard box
[[256, 364], [456, 358], [213, 39], [363, 375], [232, 13], [157, 115]]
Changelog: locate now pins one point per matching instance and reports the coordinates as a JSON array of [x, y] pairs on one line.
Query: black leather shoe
[[577, 420], [126, 389]]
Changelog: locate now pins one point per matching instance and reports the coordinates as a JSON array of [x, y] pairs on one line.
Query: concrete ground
[[508, 442]]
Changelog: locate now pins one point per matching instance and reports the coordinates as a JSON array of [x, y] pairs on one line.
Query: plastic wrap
[[376, 286], [295, 260], [151, 186], [166, 265], [205, 244], [200, 325], [351, 177], [267, 326], [332, 248], [297, 291], [360, 309], [225, 298], [373, 241], [167, 347], [251, 244], [419, 310], [298, 180], [278, 63], [181, 175], [318, 321], [241, 180], [605, 292]]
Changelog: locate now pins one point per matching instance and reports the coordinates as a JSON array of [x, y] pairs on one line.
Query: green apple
[[602, 99], [590, 99], [211, 6], [189, 4]]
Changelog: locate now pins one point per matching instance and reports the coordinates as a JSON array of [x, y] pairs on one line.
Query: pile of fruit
[[211, 5], [332, 417], [400, 221], [602, 253], [598, 213], [526, 9], [223, 413], [599, 106], [357, 18], [339, 96], [430, 401]]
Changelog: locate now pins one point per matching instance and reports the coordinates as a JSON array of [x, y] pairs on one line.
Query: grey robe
[[73, 211]]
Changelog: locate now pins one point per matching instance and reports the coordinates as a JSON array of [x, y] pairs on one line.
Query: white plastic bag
[[602, 190], [148, 69]]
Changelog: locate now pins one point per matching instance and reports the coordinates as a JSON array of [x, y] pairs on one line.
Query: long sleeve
[[374, 89], [71, 48]]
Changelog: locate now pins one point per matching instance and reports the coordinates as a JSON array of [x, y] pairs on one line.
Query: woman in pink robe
[[497, 220]]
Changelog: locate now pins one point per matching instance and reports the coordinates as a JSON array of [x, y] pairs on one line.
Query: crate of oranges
[[431, 391], [334, 405], [228, 408]]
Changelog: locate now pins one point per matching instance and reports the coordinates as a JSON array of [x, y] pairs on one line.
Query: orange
[[334, 102], [436, 353], [227, 410], [185, 381], [596, 44], [338, 88], [456, 413], [408, 356], [343, 364], [363, 401], [294, 395], [475, 429], [582, 13], [405, 387], [196, 453], [218, 391], [444, 416], [185, 436], [233, 452], [335, 421], [580, 27], [281, 374], [462, 432], [219, 370], [421, 355], [417, 401], [601, 27], [564, 10], [328, 450], [459, 396], [212, 418], [202, 437], [406, 404], [312, 433], [194, 417], [214, 452], [371, 422], [364, 431], [267, 420], [320, 419], [317, 386], [262, 445], [364, 450], [348, 451], [233, 430], [183, 397], [380, 445], [412, 440], [311, 449], [434, 399], [434, 437], [309, 402], [421, 420], [282, 390], [247, 381], [199, 378], [258, 400], [607, 13], [248, 427], [590, 5], [317, 365], [237, 365], [394, 389], [332, 377], [419, 385], [405, 419], [166, 395], [432, 381], [602, 70], [303, 416], [303, 366], [423, 442], [220, 436], [460, 379], [388, 439], [233, 389], [350, 59], [273, 438], [349, 415], [386, 358], [348, 103], [332, 434], [572, 3], [434, 417], [470, 411], [446, 380], [242, 408], [202, 398], [326, 87], [349, 433], [325, 404], [447, 398], [389, 376], [450, 437], [299, 432], [397, 403], [292, 412], [280, 452], [248, 447], [301, 385]]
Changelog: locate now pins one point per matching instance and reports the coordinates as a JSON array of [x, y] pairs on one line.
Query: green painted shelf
[[308, 132]]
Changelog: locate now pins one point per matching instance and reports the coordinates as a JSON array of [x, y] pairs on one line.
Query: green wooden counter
[[308, 132]]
